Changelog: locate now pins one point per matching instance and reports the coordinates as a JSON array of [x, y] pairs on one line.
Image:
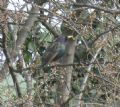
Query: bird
[[55, 51], [52, 53]]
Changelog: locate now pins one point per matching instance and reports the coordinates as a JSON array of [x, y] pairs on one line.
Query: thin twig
[[97, 8], [103, 33], [87, 74]]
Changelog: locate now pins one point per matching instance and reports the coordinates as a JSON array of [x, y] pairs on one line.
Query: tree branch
[[64, 88], [87, 74], [9, 63], [103, 33], [50, 29], [97, 8], [23, 34]]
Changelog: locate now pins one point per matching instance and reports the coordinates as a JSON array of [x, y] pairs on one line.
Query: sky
[[15, 4], [11, 6]]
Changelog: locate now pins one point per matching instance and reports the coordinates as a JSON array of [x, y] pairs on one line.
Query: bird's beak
[[71, 37]]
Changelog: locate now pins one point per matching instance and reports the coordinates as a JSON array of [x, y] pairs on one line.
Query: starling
[[55, 51]]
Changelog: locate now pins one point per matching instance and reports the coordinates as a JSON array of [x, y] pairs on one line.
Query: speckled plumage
[[54, 51]]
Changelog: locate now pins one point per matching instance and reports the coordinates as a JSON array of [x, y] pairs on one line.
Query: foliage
[[28, 32]]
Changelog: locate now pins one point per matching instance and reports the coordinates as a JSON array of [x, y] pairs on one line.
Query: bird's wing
[[52, 57], [50, 54]]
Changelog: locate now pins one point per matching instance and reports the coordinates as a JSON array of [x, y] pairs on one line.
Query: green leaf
[[31, 46], [27, 56]]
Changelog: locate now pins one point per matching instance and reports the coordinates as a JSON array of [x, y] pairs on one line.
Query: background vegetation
[[88, 72]]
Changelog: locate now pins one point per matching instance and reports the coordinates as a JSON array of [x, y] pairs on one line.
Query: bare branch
[[50, 29], [87, 74], [97, 8], [11, 70], [103, 33], [23, 34]]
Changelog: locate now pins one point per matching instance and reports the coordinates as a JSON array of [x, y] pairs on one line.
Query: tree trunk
[[64, 86]]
